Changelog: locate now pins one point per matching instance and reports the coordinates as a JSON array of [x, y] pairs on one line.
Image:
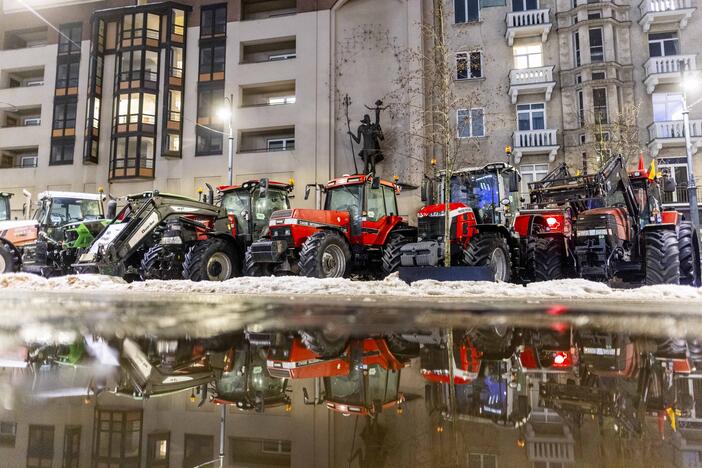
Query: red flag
[[642, 165]]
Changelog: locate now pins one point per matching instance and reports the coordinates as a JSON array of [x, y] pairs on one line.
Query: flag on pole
[[652, 170], [642, 165]]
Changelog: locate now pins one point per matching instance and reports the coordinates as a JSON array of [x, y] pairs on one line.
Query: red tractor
[[479, 209], [359, 230]]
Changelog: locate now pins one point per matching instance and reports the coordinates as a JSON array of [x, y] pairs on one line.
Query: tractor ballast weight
[[359, 230]]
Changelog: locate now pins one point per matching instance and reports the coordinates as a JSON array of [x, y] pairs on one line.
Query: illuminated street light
[[689, 83]]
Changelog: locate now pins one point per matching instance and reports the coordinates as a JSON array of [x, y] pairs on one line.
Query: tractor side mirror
[[111, 209], [210, 195], [263, 188], [427, 190], [513, 182], [669, 185], [375, 184], [307, 191], [505, 202]]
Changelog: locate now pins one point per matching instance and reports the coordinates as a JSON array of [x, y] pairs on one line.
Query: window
[[596, 45], [175, 103], [470, 123], [375, 205], [8, 433], [594, 15], [117, 437], [576, 49], [173, 143], [61, 152], [599, 105], [198, 449], [153, 26], [132, 29], [150, 66], [667, 106], [280, 144], [209, 99], [578, 79], [581, 108], [128, 110], [663, 44], [65, 115], [71, 447], [148, 112], [390, 200], [208, 141], [528, 56], [277, 100], [482, 460], [523, 5], [176, 70], [40, 448], [466, 10], [259, 452], [67, 75], [213, 21], [130, 65], [603, 150], [178, 22], [212, 62], [599, 75], [469, 65], [69, 39], [158, 450], [531, 116]]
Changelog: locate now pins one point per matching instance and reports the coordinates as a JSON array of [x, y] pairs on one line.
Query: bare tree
[[614, 137]]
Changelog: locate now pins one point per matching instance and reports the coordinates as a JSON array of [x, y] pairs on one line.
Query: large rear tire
[[323, 344], [212, 260], [160, 264], [548, 259], [325, 254], [662, 257], [251, 268], [493, 342], [689, 254], [490, 249], [9, 260], [392, 253]]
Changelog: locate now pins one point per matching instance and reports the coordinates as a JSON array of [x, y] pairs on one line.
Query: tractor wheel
[[548, 259], [671, 347], [493, 342], [694, 350], [160, 264], [323, 344], [490, 249], [325, 254], [251, 268], [689, 255], [9, 260], [212, 260], [402, 349], [392, 254], [662, 258]]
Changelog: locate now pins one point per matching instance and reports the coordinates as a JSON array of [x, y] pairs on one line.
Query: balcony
[[665, 11], [22, 158], [666, 70], [26, 38], [269, 50], [669, 134], [12, 117], [535, 142], [528, 23], [269, 94], [262, 9], [267, 140], [681, 196], [531, 81]]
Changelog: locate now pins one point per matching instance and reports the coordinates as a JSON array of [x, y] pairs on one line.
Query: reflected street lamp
[[689, 82], [226, 114]]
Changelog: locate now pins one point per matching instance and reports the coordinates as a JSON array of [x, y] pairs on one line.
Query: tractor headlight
[[171, 240]]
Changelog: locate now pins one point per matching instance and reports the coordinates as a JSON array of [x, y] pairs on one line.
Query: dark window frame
[[64, 121], [71, 454], [71, 77], [62, 151], [68, 42], [40, 453], [213, 20]]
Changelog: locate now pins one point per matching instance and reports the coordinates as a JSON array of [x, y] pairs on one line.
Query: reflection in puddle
[[488, 396]]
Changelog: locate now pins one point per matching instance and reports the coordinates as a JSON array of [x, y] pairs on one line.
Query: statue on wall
[[371, 133]]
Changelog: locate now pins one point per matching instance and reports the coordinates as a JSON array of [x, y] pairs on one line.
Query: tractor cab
[[366, 390], [245, 383], [249, 206], [435, 361], [57, 209], [5, 209]]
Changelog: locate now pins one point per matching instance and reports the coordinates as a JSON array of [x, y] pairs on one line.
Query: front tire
[[160, 264], [251, 268], [689, 254], [548, 259], [392, 253], [212, 260], [490, 249], [9, 260], [325, 254], [662, 257]]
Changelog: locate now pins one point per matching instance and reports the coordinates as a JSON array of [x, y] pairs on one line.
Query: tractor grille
[[432, 227], [279, 373], [281, 214]]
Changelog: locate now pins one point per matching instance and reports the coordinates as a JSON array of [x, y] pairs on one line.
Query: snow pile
[[570, 289]]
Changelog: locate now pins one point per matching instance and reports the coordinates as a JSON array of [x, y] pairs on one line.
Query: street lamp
[[689, 83], [226, 114]]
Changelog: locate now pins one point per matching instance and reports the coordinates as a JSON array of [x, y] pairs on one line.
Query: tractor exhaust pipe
[[210, 194]]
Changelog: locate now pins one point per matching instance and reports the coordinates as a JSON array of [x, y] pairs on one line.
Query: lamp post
[[687, 83], [227, 113]]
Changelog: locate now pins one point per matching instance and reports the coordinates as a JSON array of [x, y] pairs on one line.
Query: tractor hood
[[438, 209], [310, 218], [19, 232], [604, 221]]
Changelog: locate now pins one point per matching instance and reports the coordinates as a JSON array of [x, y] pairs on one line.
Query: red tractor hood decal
[[313, 217], [455, 209]]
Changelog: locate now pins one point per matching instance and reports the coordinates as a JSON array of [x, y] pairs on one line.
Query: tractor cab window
[[375, 205], [69, 210], [616, 198], [236, 202], [347, 389], [232, 385], [390, 200], [382, 384], [261, 381], [480, 192], [4, 209], [264, 207], [344, 198]]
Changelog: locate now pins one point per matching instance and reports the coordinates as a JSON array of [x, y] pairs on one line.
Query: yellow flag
[[652, 170], [671, 416]]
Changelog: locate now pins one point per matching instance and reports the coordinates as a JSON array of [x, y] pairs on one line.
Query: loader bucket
[[454, 273]]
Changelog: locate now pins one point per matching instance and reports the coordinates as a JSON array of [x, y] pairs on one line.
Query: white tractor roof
[[77, 195]]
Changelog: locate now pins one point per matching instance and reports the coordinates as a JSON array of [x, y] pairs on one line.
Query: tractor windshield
[[344, 198], [347, 389], [69, 210], [4, 208], [236, 201], [479, 191], [264, 207]]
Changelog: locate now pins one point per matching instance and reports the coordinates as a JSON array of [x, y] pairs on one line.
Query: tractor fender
[[498, 228], [660, 227], [399, 227], [12, 247], [230, 240], [672, 217], [530, 225]]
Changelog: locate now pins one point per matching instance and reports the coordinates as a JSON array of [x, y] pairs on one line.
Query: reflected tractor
[[358, 231], [479, 209]]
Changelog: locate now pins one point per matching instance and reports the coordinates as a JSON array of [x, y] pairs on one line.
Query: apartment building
[[570, 80], [125, 95]]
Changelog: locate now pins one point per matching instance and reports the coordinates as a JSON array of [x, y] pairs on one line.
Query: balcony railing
[[681, 195], [534, 138], [670, 64], [665, 11], [673, 129], [528, 23], [530, 76], [656, 6]]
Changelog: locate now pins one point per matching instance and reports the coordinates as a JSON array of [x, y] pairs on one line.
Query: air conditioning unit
[[29, 83], [28, 161], [273, 58], [32, 121]]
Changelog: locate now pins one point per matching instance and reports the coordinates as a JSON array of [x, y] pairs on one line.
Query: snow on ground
[[570, 289]]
